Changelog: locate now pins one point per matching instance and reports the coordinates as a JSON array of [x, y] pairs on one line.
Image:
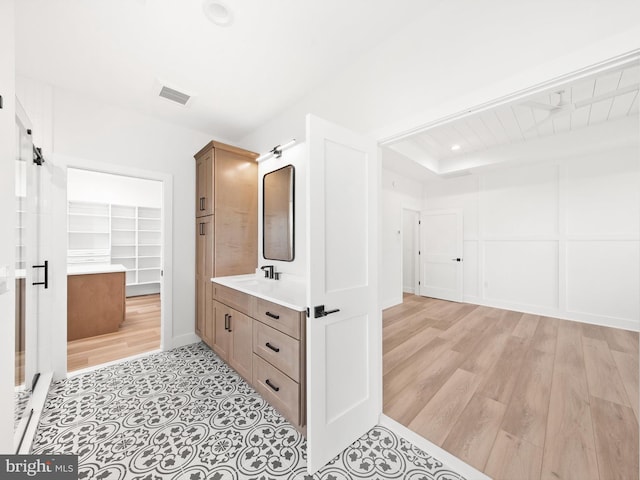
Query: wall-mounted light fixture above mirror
[[278, 214]]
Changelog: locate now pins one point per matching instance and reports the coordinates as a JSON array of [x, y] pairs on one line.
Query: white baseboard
[[182, 340], [75, 373], [601, 320], [451, 461]]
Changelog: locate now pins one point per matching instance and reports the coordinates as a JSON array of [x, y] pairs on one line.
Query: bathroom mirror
[[277, 214]]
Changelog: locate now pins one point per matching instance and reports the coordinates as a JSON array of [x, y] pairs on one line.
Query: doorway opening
[[410, 251], [114, 267]]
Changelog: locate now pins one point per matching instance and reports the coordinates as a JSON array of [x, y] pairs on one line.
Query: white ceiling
[[587, 102], [240, 76]]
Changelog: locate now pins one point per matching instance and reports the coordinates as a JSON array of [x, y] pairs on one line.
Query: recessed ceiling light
[[455, 147], [217, 12]]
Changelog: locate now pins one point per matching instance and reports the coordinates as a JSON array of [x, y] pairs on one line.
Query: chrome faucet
[[269, 272]]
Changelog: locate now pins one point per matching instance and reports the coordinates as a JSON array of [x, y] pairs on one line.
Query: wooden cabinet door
[[241, 351], [204, 247], [204, 272], [204, 184], [236, 213], [221, 335]]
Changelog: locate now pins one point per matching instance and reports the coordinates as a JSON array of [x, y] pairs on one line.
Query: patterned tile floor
[[184, 414]]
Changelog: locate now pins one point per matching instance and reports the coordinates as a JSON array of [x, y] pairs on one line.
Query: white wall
[[397, 192], [430, 70], [7, 224], [559, 238], [296, 156], [89, 130], [88, 186]]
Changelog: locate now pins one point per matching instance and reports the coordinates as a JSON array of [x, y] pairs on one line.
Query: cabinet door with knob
[[204, 184], [241, 351], [221, 336], [233, 338], [204, 272]]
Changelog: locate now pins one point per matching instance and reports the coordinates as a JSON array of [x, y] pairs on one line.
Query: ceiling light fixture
[[217, 12], [455, 147]]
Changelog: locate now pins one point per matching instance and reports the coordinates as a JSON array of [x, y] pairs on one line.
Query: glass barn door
[[30, 272]]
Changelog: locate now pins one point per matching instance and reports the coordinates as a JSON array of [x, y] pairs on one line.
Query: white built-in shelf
[[117, 234], [92, 215]]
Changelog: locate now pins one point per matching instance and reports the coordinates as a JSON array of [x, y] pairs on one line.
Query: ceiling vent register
[[174, 95]]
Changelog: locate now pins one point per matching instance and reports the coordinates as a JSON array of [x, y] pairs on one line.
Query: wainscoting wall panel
[[560, 238]]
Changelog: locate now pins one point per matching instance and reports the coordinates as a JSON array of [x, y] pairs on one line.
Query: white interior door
[[410, 248], [343, 328], [442, 246]]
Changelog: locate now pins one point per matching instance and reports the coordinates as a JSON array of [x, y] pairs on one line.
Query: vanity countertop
[[85, 269], [289, 293]]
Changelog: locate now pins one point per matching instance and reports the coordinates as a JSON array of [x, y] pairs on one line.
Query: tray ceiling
[[573, 107]]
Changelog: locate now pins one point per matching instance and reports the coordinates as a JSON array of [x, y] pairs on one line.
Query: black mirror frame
[[293, 214]]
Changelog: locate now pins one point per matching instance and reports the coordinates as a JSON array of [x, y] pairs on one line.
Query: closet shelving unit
[[88, 230], [123, 239], [149, 244], [128, 235]]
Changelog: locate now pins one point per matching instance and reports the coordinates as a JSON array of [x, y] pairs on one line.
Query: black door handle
[[272, 315], [319, 311], [46, 274], [229, 329], [456, 259], [226, 321], [275, 349]]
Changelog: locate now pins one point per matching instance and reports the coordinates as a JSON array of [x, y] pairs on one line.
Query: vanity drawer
[[279, 317], [283, 393], [280, 350], [234, 298]]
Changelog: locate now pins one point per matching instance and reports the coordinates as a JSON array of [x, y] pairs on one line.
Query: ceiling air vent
[[174, 95]]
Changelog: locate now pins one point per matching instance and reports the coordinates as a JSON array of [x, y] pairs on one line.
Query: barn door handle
[[46, 274]]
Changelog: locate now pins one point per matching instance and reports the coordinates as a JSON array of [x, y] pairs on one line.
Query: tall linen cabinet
[[226, 223]]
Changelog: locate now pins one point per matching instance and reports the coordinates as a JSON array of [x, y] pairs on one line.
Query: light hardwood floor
[[516, 396], [139, 333]]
